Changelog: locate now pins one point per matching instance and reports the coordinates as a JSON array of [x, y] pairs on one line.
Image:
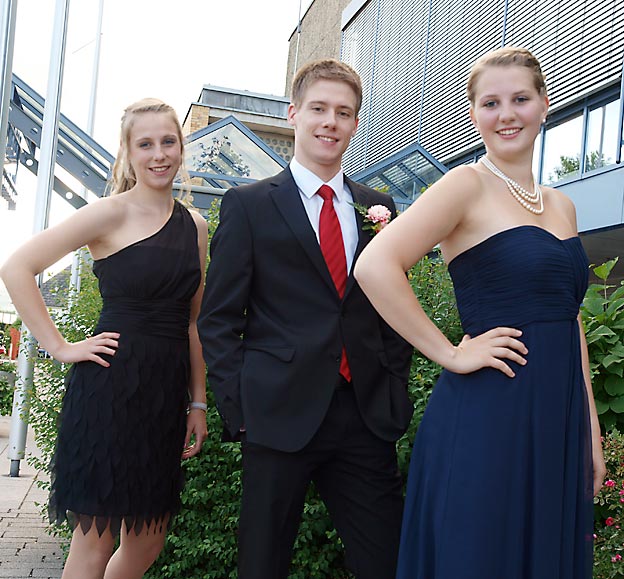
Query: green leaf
[[617, 404], [601, 407], [609, 420], [600, 332], [614, 305], [614, 385], [603, 271], [618, 350], [594, 305], [618, 293], [617, 369]]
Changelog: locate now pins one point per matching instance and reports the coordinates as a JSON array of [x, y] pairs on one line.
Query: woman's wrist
[[198, 406]]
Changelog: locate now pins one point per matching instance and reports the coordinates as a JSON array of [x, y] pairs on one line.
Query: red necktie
[[332, 247]]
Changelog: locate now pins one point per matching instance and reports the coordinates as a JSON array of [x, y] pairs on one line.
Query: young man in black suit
[[303, 369]]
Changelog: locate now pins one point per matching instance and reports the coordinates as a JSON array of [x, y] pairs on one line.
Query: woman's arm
[[43, 250], [380, 271], [565, 206], [600, 470], [196, 420]]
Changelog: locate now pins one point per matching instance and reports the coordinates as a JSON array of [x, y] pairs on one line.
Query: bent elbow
[[363, 272]]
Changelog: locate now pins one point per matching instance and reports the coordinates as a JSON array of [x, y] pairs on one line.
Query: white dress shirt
[[308, 184]]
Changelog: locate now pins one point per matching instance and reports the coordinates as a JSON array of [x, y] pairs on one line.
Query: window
[[562, 150], [602, 136]]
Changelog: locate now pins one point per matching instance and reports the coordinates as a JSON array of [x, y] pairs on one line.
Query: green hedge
[[603, 319], [202, 540], [609, 512], [6, 389]]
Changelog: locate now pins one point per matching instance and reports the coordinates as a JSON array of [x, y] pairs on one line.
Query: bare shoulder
[[461, 184], [199, 220], [465, 177], [559, 201], [95, 223], [109, 207]]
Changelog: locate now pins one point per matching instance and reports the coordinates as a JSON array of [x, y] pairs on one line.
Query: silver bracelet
[[198, 405]]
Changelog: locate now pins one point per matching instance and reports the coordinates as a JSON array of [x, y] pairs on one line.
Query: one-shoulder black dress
[[121, 431]]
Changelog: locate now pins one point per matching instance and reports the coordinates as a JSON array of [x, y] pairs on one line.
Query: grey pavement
[[26, 549]]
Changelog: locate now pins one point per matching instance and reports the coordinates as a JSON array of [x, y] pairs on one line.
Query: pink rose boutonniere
[[376, 217]]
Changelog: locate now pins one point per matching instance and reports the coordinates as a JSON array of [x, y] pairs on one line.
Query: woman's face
[[508, 110], [154, 150]]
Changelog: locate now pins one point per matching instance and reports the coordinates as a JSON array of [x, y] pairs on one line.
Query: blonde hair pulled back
[[123, 177], [506, 56]]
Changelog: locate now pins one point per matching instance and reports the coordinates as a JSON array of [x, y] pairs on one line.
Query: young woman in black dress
[[135, 401]]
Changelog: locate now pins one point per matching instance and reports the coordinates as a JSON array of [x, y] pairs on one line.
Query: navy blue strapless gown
[[500, 480]]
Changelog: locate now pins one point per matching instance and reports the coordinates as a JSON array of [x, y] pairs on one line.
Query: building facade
[[414, 57], [316, 36]]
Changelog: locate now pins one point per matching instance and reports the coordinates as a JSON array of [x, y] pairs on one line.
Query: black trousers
[[357, 477]]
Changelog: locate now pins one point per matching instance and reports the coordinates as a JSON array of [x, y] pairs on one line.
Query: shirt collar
[[309, 183]]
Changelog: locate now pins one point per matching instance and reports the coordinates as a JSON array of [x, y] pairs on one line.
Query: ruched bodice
[[500, 480], [138, 293], [122, 427], [519, 276]]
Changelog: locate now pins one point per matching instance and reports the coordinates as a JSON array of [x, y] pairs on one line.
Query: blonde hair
[[123, 177], [325, 69], [506, 56]]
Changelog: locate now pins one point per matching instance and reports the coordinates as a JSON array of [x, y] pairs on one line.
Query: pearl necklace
[[520, 194]]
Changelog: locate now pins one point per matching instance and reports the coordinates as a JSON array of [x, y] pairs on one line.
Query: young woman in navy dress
[[508, 455]]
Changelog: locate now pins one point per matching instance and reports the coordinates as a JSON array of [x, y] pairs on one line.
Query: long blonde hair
[[123, 177]]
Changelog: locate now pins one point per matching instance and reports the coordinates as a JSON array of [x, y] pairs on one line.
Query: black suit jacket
[[272, 324]]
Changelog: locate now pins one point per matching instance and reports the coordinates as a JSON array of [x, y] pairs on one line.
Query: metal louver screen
[[579, 43]]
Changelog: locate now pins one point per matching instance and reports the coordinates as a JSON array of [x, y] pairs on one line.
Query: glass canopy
[[76, 152], [404, 175], [227, 153]]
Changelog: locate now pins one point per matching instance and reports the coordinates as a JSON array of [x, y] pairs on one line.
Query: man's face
[[324, 121]]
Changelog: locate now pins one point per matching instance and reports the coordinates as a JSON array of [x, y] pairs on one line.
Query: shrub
[[6, 389], [76, 320], [603, 319], [202, 539], [609, 512]]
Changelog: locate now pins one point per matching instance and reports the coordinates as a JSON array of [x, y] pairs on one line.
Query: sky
[[167, 50]]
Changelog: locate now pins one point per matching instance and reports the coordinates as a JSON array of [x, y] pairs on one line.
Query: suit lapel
[[360, 196], [288, 201]]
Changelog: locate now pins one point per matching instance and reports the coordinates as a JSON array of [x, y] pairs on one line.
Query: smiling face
[[508, 111], [324, 122], [154, 150]]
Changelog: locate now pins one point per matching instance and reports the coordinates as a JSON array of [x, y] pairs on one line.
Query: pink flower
[[609, 521], [375, 217], [616, 558], [609, 483], [379, 214]]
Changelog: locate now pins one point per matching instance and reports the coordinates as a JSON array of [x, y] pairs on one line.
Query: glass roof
[[227, 153], [78, 153], [219, 156], [404, 175]]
